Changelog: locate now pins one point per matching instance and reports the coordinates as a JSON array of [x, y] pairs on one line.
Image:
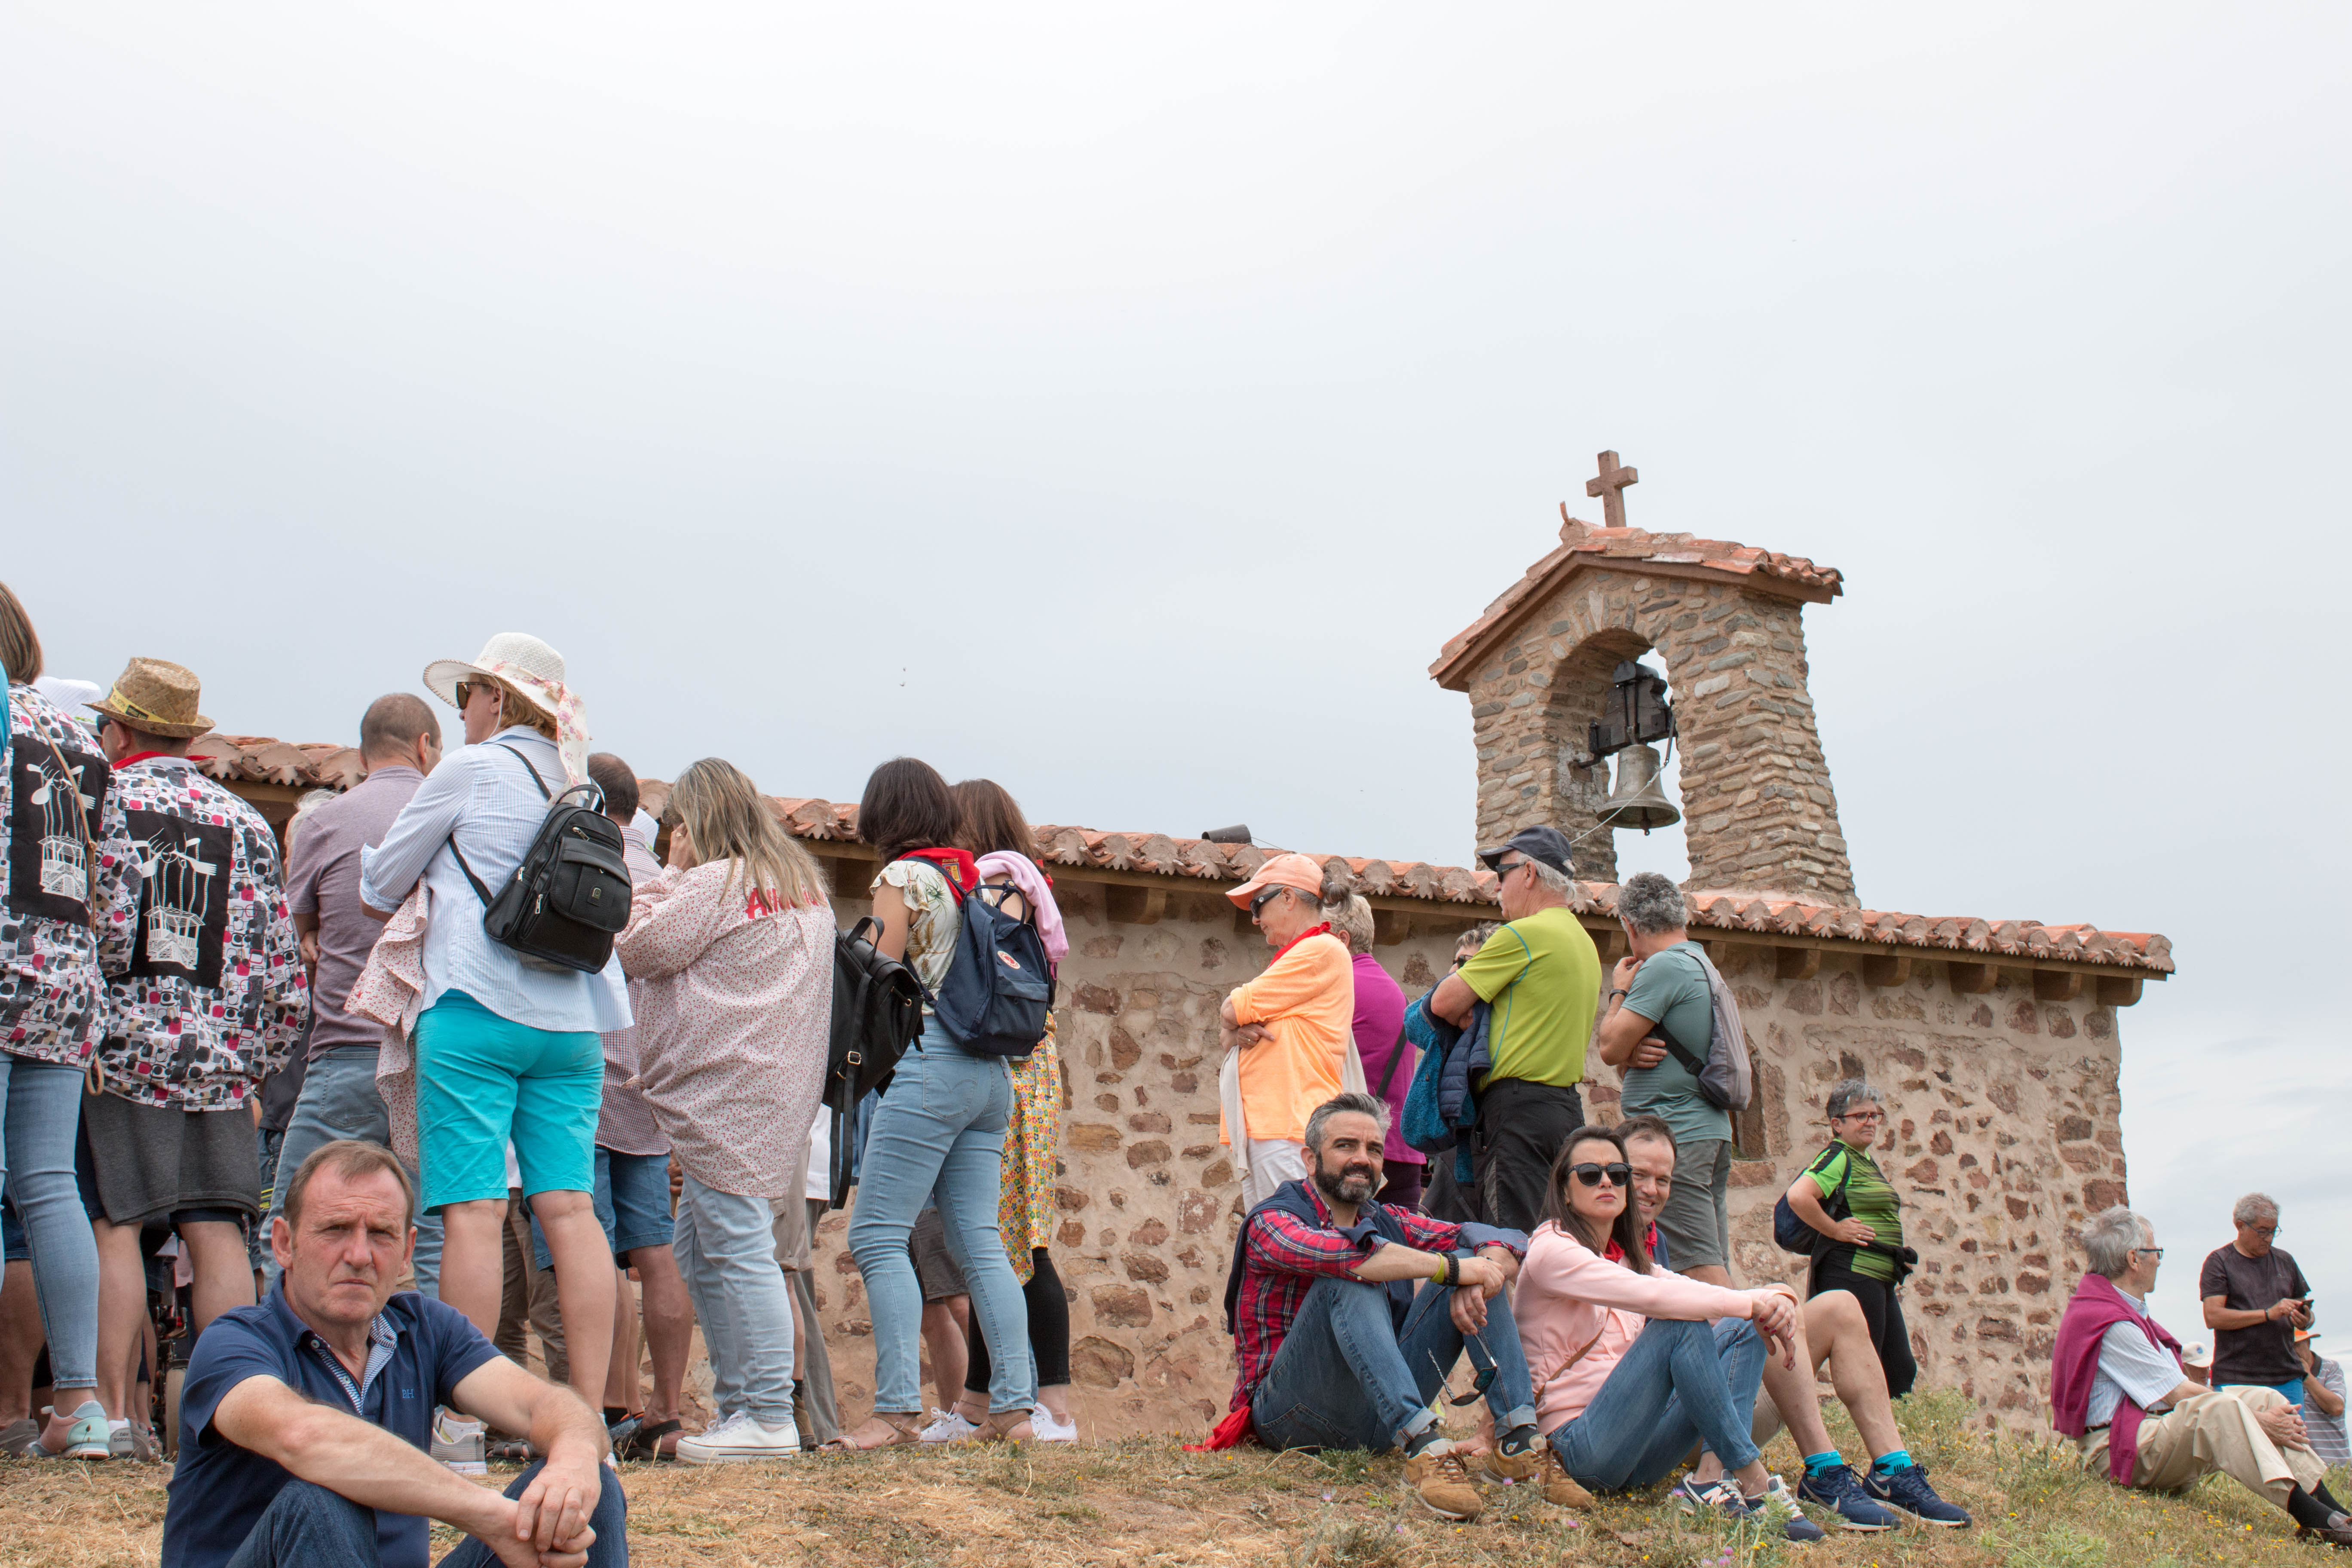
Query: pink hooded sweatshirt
[[1567, 1294]]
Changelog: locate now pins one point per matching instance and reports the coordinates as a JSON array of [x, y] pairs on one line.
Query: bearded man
[[1336, 1347]]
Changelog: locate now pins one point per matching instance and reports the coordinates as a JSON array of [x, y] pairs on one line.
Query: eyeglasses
[[2271, 1229], [1860, 1115], [1593, 1175], [2155, 1252]]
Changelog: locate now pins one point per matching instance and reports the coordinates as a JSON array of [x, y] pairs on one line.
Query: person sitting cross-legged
[[305, 1421], [1832, 1328], [2116, 1387], [1336, 1348]]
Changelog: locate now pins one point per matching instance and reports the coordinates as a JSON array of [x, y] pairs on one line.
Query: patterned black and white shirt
[[211, 997], [52, 985]]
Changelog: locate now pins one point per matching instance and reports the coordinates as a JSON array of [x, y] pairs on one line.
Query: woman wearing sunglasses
[[1633, 1365]]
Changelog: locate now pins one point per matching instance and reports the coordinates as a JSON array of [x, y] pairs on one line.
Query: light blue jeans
[[339, 1100], [1681, 1384], [41, 1122], [726, 1250], [938, 1137]]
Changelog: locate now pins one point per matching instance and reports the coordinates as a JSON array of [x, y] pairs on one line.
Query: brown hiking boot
[[1537, 1464], [1443, 1482], [2337, 1532]]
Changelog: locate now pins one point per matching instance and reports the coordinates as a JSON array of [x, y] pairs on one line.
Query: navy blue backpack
[[998, 990]]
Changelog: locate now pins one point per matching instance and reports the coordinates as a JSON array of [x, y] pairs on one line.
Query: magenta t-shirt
[[1380, 1027]]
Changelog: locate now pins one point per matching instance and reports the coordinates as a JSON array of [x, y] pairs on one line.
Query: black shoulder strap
[[1395, 1056], [1693, 1065], [526, 761], [481, 890]]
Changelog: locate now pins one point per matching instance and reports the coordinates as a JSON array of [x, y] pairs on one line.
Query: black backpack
[[878, 1013], [996, 993], [569, 897], [1792, 1233]]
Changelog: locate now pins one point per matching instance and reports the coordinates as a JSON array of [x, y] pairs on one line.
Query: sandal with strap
[[638, 1439], [905, 1431], [1005, 1426]]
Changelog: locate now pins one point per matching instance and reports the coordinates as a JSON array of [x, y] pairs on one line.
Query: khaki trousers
[[2211, 1432]]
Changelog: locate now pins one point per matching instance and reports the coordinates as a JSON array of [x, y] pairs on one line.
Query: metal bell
[[1637, 801]]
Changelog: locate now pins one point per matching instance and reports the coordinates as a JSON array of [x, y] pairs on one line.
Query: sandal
[[905, 1431], [509, 1451], [638, 1439], [1005, 1426]]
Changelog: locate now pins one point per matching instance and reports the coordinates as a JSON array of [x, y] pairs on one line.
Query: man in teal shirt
[[1663, 988]]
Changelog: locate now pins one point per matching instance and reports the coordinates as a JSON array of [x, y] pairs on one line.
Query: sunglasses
[[1257, 905], [465, 690], [1593, 1175]]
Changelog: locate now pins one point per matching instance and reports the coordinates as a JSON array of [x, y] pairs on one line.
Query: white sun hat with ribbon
[[536, 671]]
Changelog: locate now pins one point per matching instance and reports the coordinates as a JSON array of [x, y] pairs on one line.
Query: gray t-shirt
[[322, 879], [2328, 1439], [1672, 991]]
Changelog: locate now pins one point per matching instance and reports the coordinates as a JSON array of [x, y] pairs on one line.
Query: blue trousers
[[1682, 1383], [1347, 1377], [306, 1525], [339, 1100]]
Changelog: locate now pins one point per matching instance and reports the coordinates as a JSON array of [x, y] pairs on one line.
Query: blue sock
[[1888, 1464], [1822, 1463]]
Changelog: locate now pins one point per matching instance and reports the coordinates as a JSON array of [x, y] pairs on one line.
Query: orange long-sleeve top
[[1307, 1000]]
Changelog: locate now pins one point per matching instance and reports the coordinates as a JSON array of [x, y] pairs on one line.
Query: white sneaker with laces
[[1043, 1425], [948, 1426], [739, 1439]]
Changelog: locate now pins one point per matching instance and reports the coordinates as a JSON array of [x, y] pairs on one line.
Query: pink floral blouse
[[733, 1014]]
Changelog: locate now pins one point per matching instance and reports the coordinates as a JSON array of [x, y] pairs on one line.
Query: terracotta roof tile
[[1581, 545], [255, 758]]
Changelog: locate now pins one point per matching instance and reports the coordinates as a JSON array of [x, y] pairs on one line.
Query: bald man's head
[[391, 725]]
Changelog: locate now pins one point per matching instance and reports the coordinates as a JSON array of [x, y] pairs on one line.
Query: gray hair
[[2254, 1207], [1555, 883], [1351, 919], [1477, 936], [1652, 905], [302, 809], [1850, 1093], [1345, 1105], [2111, 1236]]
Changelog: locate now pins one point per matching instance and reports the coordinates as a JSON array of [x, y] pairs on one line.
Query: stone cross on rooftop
[[1610, 488]]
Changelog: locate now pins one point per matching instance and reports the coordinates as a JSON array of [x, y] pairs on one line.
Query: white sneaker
[[740, 1439], [460, 1444], [1046, 1430], [947, 1427]]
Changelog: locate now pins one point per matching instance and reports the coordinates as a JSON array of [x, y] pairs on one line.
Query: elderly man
[[2256, 1298], [304, 1420], [1662, 988], [1831, 1328], [1539, 976], [2117, 1388], [1285, 1033], [400, 743], [1336, 1347]]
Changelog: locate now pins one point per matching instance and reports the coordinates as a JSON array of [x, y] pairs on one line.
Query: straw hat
[[522, 660], [156, 696]]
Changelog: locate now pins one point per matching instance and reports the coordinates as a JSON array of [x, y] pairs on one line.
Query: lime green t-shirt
[[1541, 975], [1870, 1196]]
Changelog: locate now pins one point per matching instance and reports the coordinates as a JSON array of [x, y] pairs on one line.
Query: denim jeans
[[1345, 1377], [938, 1136], [40, 1120], [339, 1100], [727, 1253], [306, 1524], [1681, 1384]]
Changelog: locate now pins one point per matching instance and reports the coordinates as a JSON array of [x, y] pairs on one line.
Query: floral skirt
[[1024, 1210]]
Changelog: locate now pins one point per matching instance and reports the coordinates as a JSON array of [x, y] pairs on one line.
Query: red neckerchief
[[955, 865], [142, 756], [1323, 930], [1616, 1253]]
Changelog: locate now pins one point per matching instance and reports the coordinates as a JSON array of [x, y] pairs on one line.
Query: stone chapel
[[1995, 1039]]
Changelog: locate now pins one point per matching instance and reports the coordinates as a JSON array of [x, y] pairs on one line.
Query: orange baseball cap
[[1288, 869]]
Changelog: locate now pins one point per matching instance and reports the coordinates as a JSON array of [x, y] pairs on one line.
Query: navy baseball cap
[[1547, 845]]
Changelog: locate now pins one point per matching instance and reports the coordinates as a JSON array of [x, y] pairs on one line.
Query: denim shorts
[[632, 1199], [482, 1079]]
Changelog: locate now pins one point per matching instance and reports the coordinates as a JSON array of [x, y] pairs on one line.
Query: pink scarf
[[1037, 891]]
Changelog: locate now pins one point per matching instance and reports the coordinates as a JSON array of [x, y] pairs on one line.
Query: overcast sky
[[1127, 404]]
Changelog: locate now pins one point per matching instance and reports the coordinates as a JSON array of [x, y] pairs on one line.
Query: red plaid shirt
[[1283, 1258]]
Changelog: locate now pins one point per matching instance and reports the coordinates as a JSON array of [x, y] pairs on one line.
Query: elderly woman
[[1388, 1055], [1862, 1242], [1285, 1033], [732, 948], [2116, 1387], [505, 1050]]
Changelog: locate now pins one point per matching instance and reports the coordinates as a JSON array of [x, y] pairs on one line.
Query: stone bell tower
[[1726, 622]]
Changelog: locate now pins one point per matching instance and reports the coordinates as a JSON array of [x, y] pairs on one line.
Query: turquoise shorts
[[482, 1079]]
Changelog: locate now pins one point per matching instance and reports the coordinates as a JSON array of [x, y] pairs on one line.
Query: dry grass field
[[1146, 1502]]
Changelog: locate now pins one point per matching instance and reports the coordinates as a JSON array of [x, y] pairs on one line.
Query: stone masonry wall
[[2001, 1135], [1757, 806]]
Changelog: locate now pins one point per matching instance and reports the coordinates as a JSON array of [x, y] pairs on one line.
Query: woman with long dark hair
[[1632, 1365], [938, 1133]]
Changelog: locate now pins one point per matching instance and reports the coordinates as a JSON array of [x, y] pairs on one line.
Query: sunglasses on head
[[1616, 1174]]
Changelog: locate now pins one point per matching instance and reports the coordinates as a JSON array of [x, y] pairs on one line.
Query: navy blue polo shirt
[[419, 1351]]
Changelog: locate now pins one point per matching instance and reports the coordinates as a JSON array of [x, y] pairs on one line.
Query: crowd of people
[[334, 1126]]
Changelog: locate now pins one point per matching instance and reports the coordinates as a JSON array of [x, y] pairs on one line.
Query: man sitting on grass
[[1338, 1350], [305, 1420], [2117, 1388]]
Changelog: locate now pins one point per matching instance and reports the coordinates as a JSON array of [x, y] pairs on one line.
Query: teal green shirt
[[1869, 1197], [1672, 990]]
